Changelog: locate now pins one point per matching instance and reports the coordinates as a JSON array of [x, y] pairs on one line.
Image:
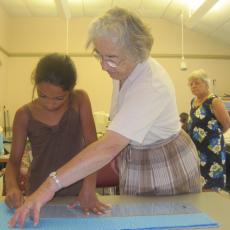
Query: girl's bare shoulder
[[79, 96]]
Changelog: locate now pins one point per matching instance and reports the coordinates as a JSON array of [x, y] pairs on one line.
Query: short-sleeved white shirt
[[144, 110]]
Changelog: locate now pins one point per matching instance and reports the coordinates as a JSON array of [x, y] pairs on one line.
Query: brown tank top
[[53, 146]]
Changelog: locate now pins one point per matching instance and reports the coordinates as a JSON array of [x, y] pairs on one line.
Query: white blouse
[[145, 110]]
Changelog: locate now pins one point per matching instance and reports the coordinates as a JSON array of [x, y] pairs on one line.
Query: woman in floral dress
[[208, 121]]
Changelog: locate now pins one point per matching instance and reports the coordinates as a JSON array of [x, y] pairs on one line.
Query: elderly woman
[[155, 156], [208, 121]]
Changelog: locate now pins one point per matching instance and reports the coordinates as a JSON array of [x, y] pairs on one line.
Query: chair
[[107, 177]]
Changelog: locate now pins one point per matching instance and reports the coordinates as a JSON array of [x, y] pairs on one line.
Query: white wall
[[3, 61], [36, 35], [3, 29], [3, 84], [29, 39], [90, 78], [167, 37], [216, 69]]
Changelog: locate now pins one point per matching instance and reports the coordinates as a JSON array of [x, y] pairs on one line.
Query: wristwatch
[[53, 176]]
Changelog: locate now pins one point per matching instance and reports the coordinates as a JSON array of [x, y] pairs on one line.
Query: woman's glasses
[[110, 61]]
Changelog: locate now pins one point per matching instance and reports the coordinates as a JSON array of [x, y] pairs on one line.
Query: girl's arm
[[14, 197]]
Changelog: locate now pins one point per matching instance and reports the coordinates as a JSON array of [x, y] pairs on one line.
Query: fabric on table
[[187, 221]]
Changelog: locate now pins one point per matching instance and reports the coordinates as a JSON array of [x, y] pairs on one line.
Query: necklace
[[198, 102]]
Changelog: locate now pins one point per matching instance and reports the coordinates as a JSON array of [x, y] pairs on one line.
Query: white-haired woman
[[156, 156], [208, 121]]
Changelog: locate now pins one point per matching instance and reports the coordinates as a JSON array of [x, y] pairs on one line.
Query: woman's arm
[[87, 198], [88, 161], [14, 197], [92, 158], [221, 114]]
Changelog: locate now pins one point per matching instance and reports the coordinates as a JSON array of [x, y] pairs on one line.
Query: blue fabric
[[196, 220]]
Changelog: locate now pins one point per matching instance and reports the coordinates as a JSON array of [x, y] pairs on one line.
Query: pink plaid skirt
[[167, 168]]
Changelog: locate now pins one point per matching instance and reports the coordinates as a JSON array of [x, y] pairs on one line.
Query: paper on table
[[121, 210]]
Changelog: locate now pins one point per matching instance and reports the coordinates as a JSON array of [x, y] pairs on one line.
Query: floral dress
[[207, 134]]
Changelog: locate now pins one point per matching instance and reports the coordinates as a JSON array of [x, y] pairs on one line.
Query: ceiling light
[[192, 5], [195, 4], [219, 5]]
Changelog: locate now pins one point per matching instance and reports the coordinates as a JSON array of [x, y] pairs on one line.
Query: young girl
[[58, 124]]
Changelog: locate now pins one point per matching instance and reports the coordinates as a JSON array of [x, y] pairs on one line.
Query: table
[[214, 204], [211, 203]]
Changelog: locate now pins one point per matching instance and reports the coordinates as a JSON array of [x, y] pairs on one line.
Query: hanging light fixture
[[183, 65], [67, 36], [64, 10]]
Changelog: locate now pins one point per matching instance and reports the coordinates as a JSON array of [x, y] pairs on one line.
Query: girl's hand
[[88, 201], [14, 198]]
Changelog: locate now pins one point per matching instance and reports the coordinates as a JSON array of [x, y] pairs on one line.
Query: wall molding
[[4, 51], [193, 56], [155, 55]]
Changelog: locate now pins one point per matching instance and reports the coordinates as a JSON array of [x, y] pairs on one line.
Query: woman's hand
[[33, 204], [14, 198], [88, 202]]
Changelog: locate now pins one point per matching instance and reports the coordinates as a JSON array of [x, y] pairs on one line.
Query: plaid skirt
[[167, 168]]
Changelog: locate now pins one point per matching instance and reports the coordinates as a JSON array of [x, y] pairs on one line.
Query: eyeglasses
[[109, 60]]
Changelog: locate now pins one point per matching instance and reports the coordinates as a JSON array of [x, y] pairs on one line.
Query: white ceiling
[[211, 17]]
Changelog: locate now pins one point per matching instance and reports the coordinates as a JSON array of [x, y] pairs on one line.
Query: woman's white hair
[[199, 74], [124, 28]]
